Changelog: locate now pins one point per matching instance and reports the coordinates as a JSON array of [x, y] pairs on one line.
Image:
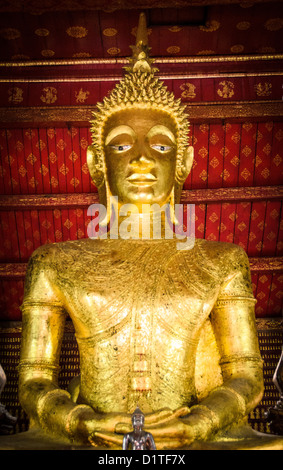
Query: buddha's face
[[138, 421], [140, 156]]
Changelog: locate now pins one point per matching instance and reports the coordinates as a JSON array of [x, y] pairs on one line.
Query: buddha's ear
[[96, 174], [188, 159], [185, 165], [183, 172]]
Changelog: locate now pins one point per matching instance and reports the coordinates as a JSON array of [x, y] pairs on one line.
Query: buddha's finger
[[164, 444], [166, 415], [180, 412], [174, 429], [158, 416], [123, 428], [106, 438]]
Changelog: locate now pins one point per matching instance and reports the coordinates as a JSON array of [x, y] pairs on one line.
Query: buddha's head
[[138, 419], [140, 152]]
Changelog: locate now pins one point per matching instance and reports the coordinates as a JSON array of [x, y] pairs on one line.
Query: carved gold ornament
[[77, 32], [274, 24], [173, 49], [113, 51], [10, 33], [42, 32], [15, 95], [210, 26], [47, 53], [237, 48], [243, 25], [49, 95], [263, 89], [266, 50], [226, 90], [20, 57], [188, 90], [109, 32], [206, 52], [83, 55], [81, 96], [175, 29]]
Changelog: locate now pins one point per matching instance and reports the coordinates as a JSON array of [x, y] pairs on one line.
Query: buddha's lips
[[142, 178]]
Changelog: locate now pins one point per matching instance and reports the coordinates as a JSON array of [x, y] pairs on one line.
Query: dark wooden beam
[[193, 196], [111, 5], [198, 112]]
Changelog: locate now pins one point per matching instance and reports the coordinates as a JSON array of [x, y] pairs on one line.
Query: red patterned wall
[[53, 161]]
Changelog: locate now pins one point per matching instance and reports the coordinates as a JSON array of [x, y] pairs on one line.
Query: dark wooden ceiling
[[56, 30]]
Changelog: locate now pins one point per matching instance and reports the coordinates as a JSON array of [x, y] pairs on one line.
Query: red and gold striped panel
[[49, 160]]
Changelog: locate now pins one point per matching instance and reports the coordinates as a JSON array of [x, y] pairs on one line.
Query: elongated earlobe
[[182, 172], [188, 159], [100, 181], [96, 175]]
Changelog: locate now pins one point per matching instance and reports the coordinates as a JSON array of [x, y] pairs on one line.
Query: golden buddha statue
[[170, 329]]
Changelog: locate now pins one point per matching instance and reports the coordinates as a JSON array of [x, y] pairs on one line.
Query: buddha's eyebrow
[[118, 131], [163, 130]]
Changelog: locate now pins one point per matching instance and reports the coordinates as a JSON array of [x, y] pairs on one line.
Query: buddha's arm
[[126, 442], [47, 405], [233, 321]]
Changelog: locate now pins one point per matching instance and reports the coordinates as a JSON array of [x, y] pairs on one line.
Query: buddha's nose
[[142, 163]]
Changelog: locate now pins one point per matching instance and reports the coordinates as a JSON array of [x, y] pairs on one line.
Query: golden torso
[[138, 308]]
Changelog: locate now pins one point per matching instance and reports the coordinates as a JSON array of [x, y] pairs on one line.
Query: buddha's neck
[[143, 226]]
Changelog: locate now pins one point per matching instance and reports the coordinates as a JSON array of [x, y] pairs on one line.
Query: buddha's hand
[[175, 433], [156, 421], [180, 432]]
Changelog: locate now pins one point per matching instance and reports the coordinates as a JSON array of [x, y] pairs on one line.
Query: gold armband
[[240, 358], [227, 301], [39, 365], [35, 305]]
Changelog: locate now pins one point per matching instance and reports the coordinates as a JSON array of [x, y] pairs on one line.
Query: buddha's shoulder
[[220, 253], [68, 250]]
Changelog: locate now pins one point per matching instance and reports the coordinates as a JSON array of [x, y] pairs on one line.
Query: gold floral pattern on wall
[[77, 31], [49, 95], [188, 90], [263, 89], [226, 89]]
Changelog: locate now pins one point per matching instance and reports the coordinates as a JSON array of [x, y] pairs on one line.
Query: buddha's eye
[[121, 148], [161, 148]]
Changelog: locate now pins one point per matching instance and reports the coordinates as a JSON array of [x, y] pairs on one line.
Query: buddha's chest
[[140, 287]]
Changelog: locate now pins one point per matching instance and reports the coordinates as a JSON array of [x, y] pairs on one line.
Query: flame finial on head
[[137, 412], [140, 60]]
